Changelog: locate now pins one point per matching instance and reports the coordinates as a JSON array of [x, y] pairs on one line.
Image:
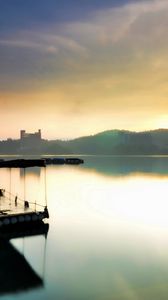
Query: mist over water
[[108, 229]]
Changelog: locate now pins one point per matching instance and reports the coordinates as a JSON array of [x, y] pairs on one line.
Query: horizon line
[[91, 135]]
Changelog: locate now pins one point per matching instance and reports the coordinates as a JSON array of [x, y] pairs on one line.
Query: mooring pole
[[45, 183], [10, 171], [24, 183]]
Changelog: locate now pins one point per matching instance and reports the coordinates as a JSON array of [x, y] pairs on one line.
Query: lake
[[108, 230]]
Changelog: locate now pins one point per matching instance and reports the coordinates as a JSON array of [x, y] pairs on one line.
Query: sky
[[78, 67]]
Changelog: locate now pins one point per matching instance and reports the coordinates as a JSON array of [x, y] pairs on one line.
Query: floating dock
[[62, 161], [73, 161], [26, 229], [25, 163], [15, 211], [22, 163], [11, 217]]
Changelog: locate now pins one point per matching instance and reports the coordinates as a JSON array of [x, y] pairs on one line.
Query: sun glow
[[162, 122]]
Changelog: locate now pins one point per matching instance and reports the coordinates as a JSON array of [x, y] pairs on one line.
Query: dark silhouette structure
[[30, 136], [16, 274], [27, 140]]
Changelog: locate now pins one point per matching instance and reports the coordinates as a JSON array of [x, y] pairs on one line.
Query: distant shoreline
[[111, 142]]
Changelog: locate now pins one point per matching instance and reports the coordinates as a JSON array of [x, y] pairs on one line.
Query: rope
[[18, 198], [24, 201]]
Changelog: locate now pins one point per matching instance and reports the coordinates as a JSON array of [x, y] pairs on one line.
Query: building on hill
[[30, 140]]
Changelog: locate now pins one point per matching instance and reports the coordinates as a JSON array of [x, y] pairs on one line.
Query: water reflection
[[108, 235], [16, 274], [36, 171], [125, 165]]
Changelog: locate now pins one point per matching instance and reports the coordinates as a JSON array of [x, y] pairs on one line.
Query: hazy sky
[[78, 67]]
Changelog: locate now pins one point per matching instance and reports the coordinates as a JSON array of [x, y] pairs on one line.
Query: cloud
[[29, 45], [120, 35], [115, 24], [43, 42], [112, 62]]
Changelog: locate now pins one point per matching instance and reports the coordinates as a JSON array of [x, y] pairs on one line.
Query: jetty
[[25, 163], [22, 163], [62, 161], [16, 211], [20, 218], [19, 221]]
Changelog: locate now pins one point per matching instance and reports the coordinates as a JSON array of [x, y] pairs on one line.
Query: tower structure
[[29, 140]]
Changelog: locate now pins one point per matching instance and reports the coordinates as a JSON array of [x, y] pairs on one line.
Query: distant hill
[[111, 142], [121, 142]]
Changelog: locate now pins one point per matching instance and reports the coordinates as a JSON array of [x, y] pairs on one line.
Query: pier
[[16, 211], [22, 163], [19, 219], [62, 161], [25, 163]]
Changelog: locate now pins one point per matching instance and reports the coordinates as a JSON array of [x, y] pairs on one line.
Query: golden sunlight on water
[[108, 235]]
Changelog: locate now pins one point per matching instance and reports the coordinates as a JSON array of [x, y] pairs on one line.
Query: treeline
[[120, 142], [113, 142], [44, 147]]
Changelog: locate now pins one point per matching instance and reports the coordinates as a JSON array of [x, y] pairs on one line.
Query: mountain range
[[118, 142], [111, 142]]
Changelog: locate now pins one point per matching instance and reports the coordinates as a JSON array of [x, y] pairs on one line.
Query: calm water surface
[[108, 229]]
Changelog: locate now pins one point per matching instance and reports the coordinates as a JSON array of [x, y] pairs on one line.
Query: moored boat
[[62, 161], [54, 161], [73, 161]]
